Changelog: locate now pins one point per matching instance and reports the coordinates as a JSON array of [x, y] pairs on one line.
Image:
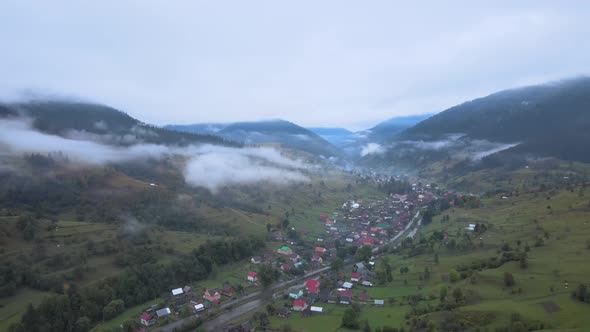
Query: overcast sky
[[317, 63]]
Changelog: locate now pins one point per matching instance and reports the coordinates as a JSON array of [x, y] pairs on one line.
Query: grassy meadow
[[555, 226]]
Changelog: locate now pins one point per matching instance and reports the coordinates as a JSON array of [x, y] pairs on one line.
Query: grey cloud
[[351, 64]]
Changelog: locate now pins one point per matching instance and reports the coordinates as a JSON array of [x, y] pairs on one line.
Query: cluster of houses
[[198, 301], [374, 223], [356, 223], [308, 300]]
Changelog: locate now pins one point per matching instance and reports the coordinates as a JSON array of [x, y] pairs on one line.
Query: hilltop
[[510, 127], [280, 132]]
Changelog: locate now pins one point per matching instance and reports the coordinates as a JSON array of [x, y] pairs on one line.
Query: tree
[[262, 318], [29, 232], [266, 275], [30, 318], [350, 319], [454, 276], [270, 309], [508, 279], [443, 293], [337, 264], [364, 254], [427, 216], [581, 293], [523, 261], [268, 227], [112, 309], [83, 324], [436, 258], [240, 289], [129, 325], [458, 295]]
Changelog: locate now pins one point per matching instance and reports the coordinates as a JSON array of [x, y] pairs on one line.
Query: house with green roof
[[284, 250]]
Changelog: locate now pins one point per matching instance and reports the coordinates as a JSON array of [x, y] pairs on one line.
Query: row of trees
[[79, 309]]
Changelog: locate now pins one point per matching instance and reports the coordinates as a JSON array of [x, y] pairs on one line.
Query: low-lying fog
[[208, 166]]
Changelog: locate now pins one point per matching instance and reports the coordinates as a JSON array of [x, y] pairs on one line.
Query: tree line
[[77, 310]]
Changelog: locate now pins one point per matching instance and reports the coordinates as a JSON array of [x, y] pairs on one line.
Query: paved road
[[222, 320], [178, 324], [400, 234]]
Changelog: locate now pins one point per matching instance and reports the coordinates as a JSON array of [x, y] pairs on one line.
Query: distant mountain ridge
[[381, 132], [198, 128], [71, 118], [390, 128], [549, 120], [282, 132], [546, 120]]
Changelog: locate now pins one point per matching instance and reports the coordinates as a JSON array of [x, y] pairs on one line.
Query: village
[[357, 224]]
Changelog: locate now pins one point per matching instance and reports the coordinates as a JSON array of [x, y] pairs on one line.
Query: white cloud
[[216, 169], [208, 166], [101, 125], [302, 137], [372, 148], [501, 147]]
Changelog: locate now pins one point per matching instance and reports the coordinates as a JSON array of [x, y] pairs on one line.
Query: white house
[[199, 307], [470, 227], [316, 309], [147, 319], [347, 285], [379, 302], [252, 276], [163, 312], [177, 291]]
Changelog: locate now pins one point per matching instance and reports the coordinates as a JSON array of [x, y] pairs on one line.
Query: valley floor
[[552, 227]]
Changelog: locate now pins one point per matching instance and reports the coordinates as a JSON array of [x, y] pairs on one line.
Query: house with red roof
[[367, 241], [212, 295], [252, 276], [320, 250], [312, 283], [355, 277], [299, 305], [364, 297], [147, 319]]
